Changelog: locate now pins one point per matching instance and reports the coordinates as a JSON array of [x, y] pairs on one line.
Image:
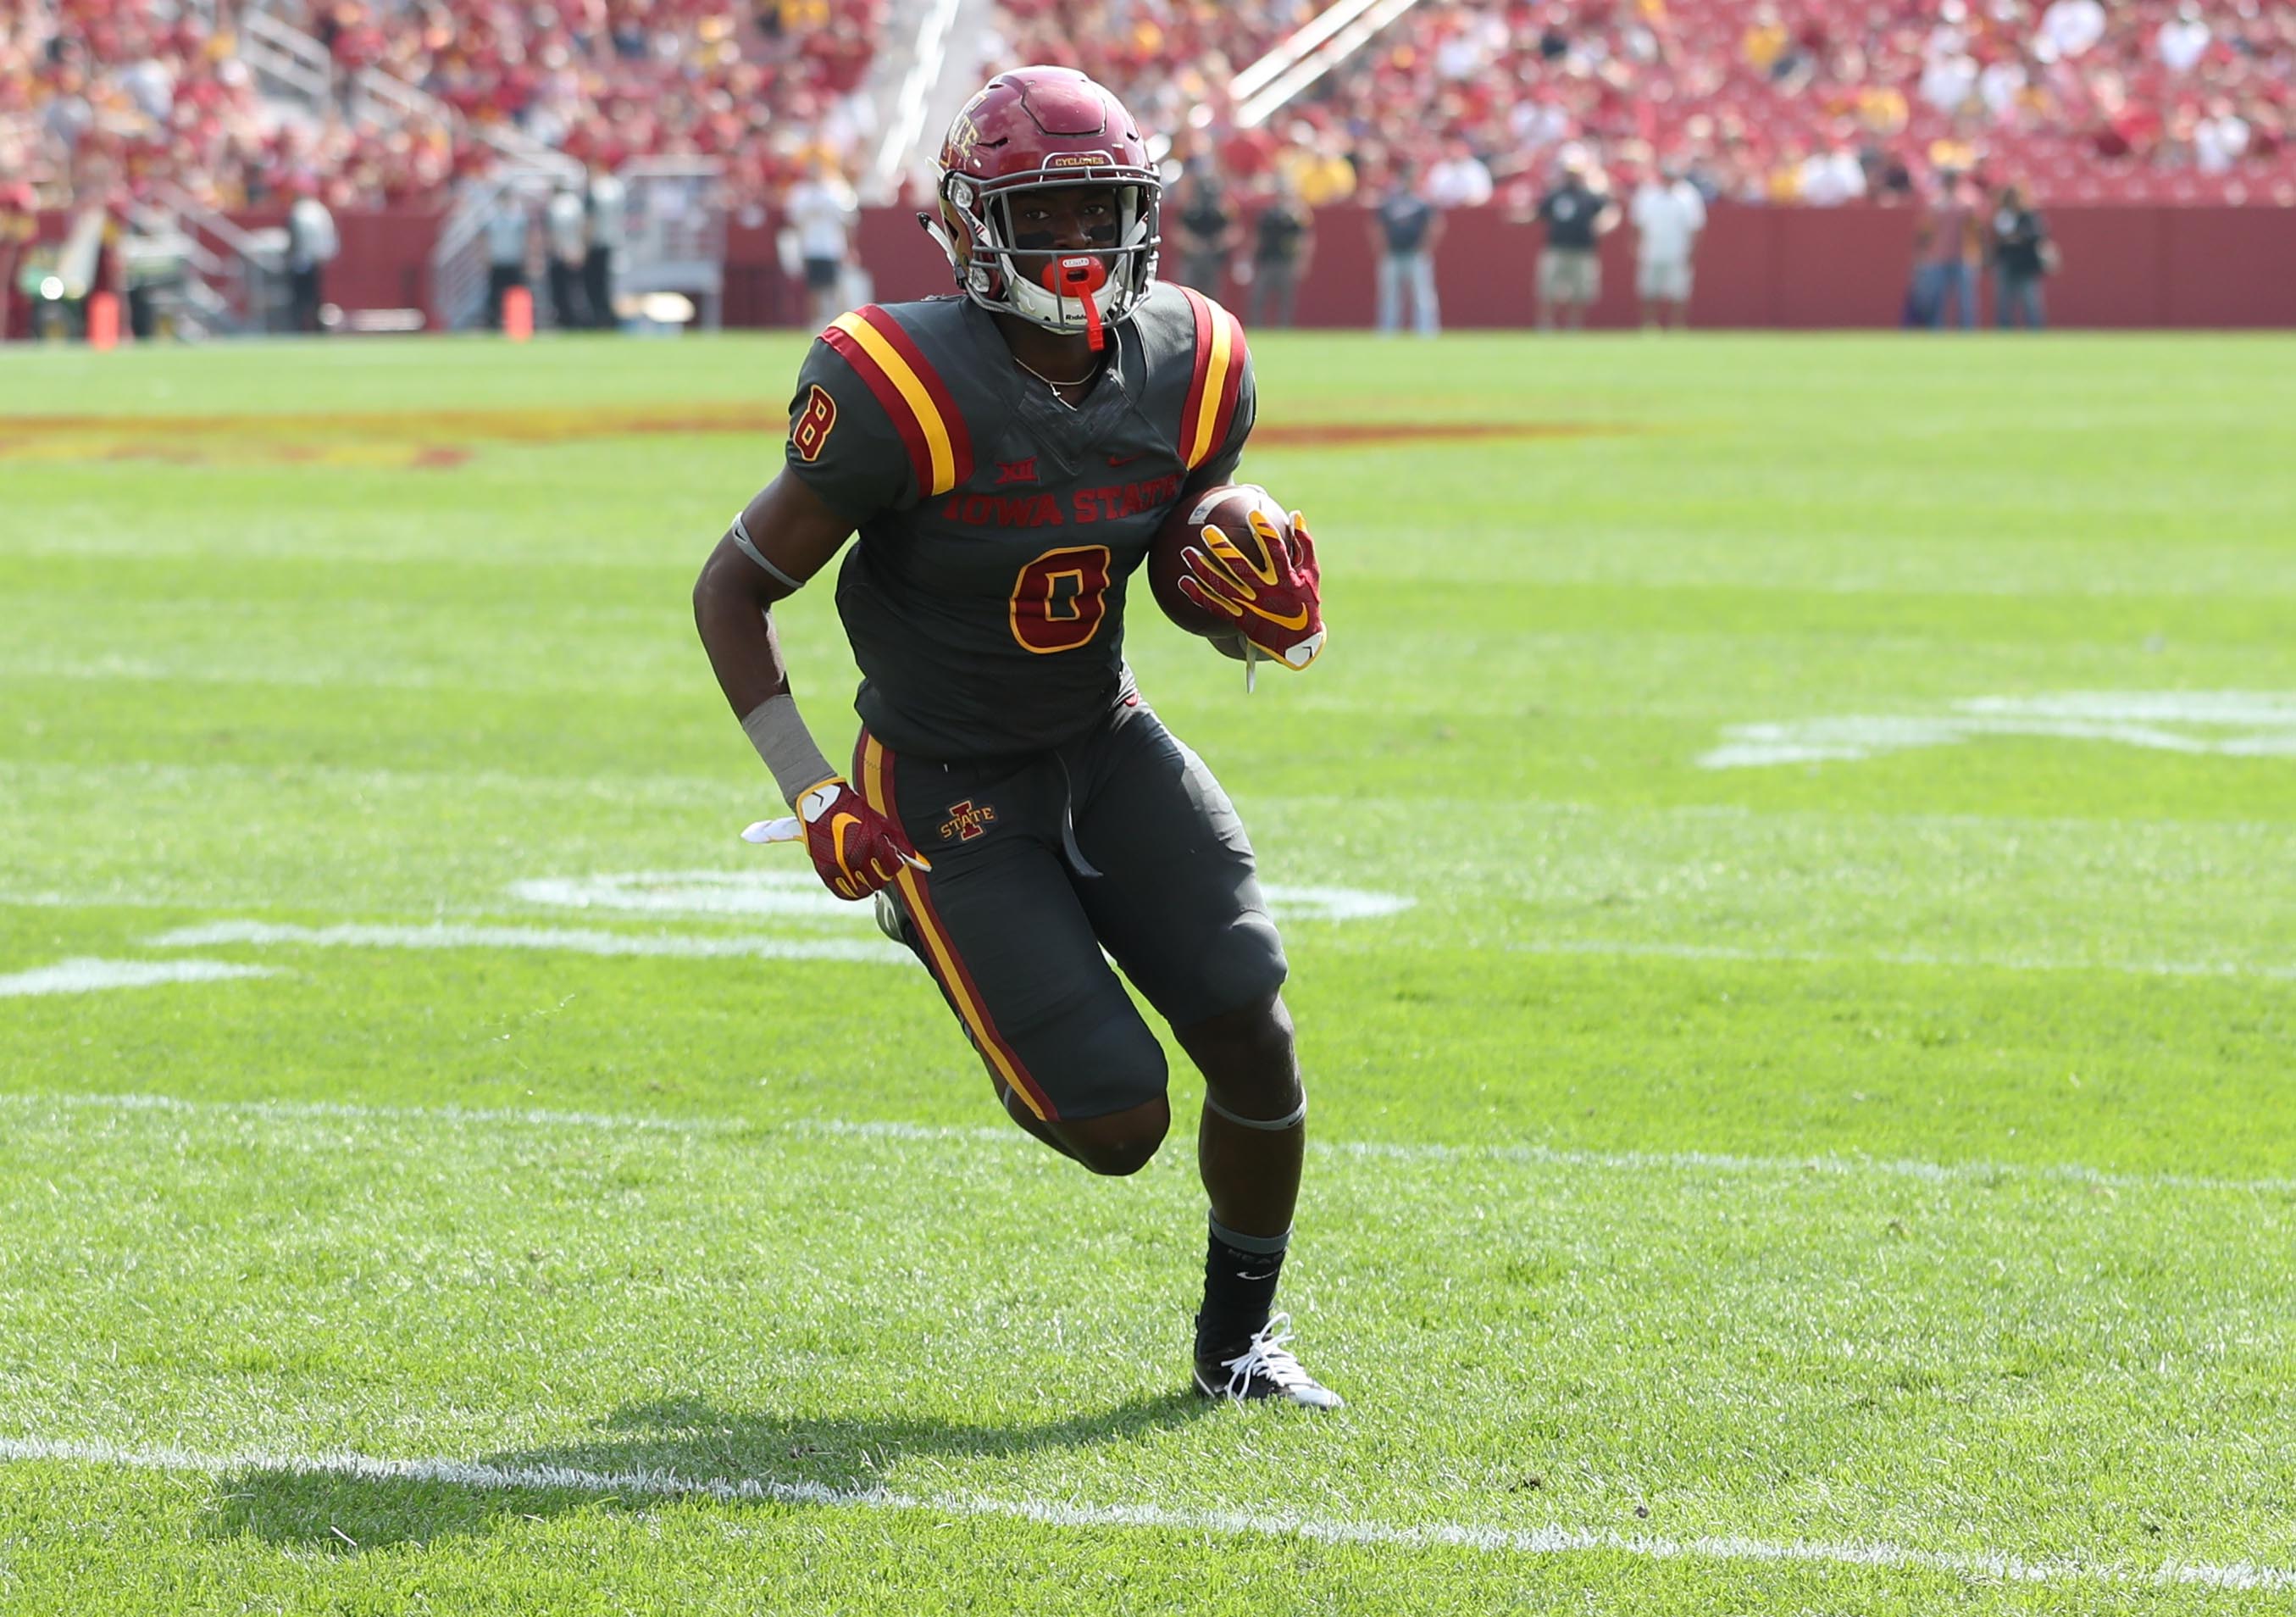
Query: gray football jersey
[[998, 526]]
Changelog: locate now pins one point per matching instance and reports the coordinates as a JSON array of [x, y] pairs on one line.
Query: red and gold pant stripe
[[949, 965]]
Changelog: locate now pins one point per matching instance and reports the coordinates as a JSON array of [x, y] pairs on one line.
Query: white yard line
[[581, 940], [2239, 1575], [1307, 904], [1540, 1156], [84, 975], [1646, 1161], [526, 1116], [1916, 957]]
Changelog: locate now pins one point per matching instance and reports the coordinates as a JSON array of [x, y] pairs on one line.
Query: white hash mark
[[2227, 724]]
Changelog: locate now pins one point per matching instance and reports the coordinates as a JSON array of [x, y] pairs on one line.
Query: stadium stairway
[[931, 59]]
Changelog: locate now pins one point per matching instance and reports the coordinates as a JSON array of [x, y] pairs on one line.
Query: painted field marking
[[1539, 1156], [1542, 1541], [440, 935], [1920, 957], [2229, 724], [531, 1117], [444, 935], [84, 975], [797, 892], [1639, 1161]]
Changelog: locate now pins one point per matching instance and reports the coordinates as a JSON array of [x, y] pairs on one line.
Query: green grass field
[[1789, 870]]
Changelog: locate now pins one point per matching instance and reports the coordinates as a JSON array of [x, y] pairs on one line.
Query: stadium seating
[[2141, 101], [124, 94], [1752, 91]]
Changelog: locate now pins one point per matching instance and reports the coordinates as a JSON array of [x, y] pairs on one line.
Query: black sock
[[1240, 1275]]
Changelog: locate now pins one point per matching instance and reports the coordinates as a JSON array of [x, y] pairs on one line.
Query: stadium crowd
[[1457, 103], [106, 96], [1779, 101]]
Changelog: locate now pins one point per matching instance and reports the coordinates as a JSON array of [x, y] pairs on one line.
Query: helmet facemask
[[1006, 268]]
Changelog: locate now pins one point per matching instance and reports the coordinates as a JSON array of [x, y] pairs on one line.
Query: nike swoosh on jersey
[[1125, 460]]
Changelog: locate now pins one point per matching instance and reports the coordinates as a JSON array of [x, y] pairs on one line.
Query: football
[[1230, 508]]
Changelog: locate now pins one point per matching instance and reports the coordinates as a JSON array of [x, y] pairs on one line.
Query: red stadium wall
[[385, 262], [1793, 268], [1766, 267]]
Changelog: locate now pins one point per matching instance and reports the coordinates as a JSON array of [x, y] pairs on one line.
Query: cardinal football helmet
[[1026, 130]]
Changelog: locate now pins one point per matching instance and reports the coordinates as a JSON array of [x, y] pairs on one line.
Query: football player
[[1014, 805]]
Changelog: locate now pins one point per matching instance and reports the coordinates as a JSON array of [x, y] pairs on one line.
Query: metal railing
[[674, 221], [1327, 39], [298, 66], [284, 58], [459, 261], [230, 276], [903, 119]]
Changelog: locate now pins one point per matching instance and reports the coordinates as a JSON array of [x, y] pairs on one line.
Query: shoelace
[[1266, 1355]]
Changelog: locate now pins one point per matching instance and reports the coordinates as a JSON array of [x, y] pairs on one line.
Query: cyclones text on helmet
[[1032, 129]]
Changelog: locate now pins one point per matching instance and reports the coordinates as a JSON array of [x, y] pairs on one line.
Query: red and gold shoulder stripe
[[922, 408], [1221, 358]]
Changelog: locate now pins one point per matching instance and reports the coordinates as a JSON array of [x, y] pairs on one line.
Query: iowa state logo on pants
[[966, 821]]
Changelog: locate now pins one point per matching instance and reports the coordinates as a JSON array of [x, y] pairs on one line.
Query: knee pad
[[1242, 962]]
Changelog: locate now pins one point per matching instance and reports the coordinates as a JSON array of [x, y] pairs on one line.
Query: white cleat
[[1266, 1368]]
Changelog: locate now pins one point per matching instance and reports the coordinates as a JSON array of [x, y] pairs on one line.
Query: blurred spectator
[[566, 239], [1284, 248], [1405, 230], [1949, 245], [606, 202], [18, 225], [1669, 213], [823, 212], [1205, 228], [2219, 139], [2022, 254], [2070, 29], [1317, 167], [1832, 177], [1575, 216], [2183, 40], [312, 244], [1460, 180], [508, 227]]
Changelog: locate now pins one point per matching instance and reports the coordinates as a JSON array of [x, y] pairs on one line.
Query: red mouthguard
[[1080, 277]]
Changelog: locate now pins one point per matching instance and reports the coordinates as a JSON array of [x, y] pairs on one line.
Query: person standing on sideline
[[20, 222], [1208, 229], [566, 235], [2022, 253], [508, 227], [1405, 230], [1950, 245], [822, 210], [1576, 216], [1280, 257], [1669, 213], [606, 203], [312, 245]]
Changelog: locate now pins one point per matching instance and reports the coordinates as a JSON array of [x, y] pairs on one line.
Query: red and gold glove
[[1273, 587], [855, 849]]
